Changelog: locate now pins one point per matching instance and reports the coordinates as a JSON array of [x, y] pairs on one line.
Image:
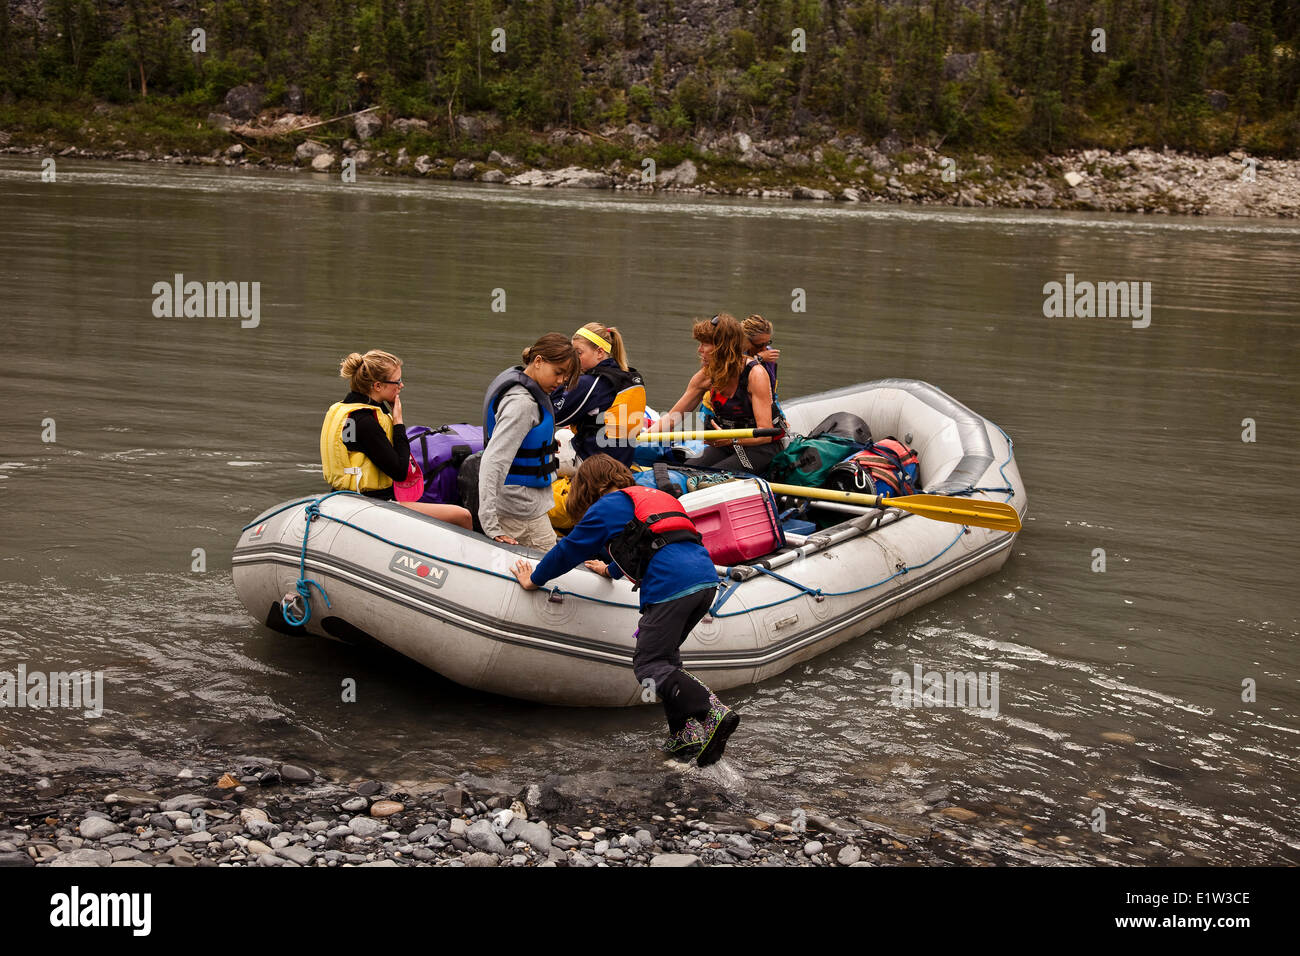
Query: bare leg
[[452, 514]]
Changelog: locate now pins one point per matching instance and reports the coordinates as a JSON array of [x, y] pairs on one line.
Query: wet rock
[[15, 859], [298, 854], [676, 859], [367, 826], [180, 857], [251, 815], [269, 778], [386, 808], [804, 192], [227, 782], [184, 803], [83, 857], [454, 797], [369, 788], [129, 796], [356, 804], [292, 773], [482, 836], [1119, 738], [959, 813], [96, 828]]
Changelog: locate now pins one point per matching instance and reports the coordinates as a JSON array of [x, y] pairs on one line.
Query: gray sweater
[[517, 414]]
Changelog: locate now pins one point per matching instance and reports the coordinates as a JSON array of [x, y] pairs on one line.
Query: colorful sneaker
[[715, 729], [686, 743]]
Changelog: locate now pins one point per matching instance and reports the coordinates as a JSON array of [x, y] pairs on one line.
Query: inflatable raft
[[363, 570]]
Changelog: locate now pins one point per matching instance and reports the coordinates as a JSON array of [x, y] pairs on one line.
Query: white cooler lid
[[718, 494]]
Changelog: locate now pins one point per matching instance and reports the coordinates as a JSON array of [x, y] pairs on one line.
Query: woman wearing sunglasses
[[736, 392], [363, 443]]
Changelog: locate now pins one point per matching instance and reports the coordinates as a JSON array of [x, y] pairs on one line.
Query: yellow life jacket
[[350, 470]]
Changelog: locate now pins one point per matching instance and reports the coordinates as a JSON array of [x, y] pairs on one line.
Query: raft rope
[[304, 584]]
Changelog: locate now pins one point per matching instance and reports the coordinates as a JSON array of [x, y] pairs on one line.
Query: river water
[[171, 433]]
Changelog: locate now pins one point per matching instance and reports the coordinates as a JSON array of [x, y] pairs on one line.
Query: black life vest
[[658, 521], [738, 410], [628, 405]]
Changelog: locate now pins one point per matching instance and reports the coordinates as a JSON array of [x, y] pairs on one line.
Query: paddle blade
[[977, 512]]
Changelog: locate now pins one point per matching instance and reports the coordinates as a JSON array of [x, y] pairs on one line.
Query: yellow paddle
[[972, 511], [708, 434]]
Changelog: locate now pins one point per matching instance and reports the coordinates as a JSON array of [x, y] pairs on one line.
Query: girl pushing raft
[[737, 393], [363, 444], [608, 402], [649, 539], [519, 463]]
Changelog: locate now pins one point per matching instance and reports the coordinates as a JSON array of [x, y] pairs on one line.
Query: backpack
[[887, 468], [440, 452], [808, 461], [846, 425]]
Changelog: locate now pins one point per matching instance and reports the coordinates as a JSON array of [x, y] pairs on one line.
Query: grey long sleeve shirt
[[517, 414]]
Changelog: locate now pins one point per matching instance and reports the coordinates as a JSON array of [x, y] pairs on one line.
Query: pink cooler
[[737, 520]]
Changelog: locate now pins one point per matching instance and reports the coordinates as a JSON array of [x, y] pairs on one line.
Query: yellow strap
[[595, 339]]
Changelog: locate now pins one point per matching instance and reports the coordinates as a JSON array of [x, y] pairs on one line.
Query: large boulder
[[423, 164], [367, 125], [243, 102], [305, 153], [470, 126], [464, 169], [408, 125], [322, 163], [684, 174]]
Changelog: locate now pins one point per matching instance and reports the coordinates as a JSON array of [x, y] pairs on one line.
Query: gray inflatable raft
[[446, 598]]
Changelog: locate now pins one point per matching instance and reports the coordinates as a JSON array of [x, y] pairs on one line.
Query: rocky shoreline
[[838, 169], [265, 814]]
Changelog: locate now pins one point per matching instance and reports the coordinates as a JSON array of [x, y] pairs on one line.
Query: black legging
[[727, 458]]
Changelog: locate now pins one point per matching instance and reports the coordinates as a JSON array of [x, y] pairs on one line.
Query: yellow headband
[[595, 339]]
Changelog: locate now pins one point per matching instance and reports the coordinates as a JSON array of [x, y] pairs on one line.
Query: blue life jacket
[[534, 465]]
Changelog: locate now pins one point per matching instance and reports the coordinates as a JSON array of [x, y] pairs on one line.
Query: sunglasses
[[714, 320], [385, 382]]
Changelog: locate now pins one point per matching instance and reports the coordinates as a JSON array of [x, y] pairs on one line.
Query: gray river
[[169, 434]]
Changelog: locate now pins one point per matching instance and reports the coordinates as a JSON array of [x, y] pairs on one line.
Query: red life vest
[[658, 520]]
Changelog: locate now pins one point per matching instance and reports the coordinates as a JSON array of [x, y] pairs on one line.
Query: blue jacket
[[676, 570]]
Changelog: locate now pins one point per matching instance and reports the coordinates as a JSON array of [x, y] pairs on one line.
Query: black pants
[[727, 458], [664, 628]]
